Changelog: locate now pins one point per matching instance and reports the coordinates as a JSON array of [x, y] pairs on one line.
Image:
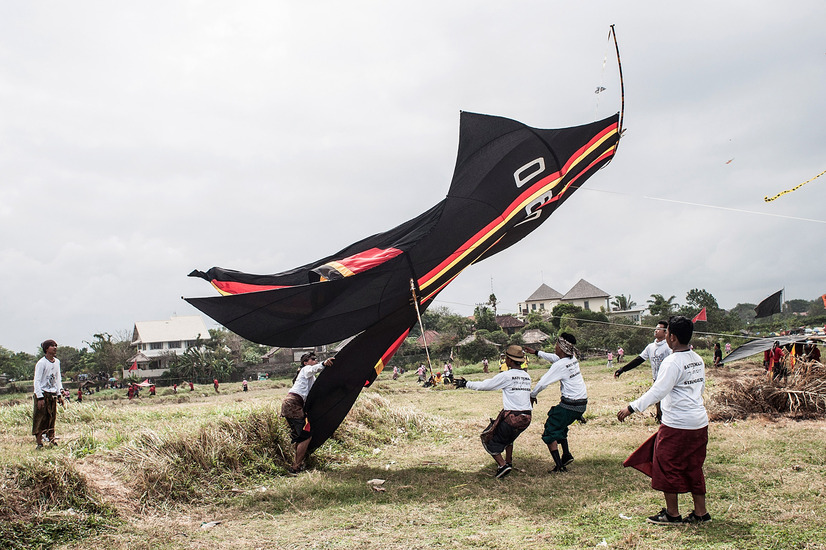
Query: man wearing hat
[[48, 386], [565, 370], [292, 408], [515, 416]]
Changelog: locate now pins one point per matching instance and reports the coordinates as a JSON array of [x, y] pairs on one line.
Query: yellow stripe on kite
[[541, 191], [341, 268]]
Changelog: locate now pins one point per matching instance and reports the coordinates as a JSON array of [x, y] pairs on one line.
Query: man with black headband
[[565, 370], [48, 385], [292, 408]]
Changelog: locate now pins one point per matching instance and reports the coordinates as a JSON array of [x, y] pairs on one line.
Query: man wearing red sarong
[[674, 456]]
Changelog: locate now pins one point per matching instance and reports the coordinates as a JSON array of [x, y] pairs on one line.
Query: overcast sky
[[138, 142]]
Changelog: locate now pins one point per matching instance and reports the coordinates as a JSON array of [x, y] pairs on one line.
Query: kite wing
[[509, 178]]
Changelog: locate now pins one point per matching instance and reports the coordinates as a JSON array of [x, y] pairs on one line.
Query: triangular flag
[[769, 306], [824, 300], [700, 316], [134, 366], [791, 357]]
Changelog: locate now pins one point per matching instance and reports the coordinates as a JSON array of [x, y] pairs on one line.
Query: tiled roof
[[509, 321], [177, 328], [584, 289], [543, 293]]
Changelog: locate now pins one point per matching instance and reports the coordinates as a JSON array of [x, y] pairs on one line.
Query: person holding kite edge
[[515, 416], [573, 401], [292, 408], [655, 353], [508, 180], [674, 456]]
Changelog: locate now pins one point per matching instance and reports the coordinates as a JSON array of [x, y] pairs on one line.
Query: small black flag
[[769, 306]]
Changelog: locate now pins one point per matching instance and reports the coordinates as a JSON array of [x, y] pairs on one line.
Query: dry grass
[[801, 394], [179, 464]]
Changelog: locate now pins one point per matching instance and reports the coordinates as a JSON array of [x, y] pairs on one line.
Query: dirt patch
[[110, 488]]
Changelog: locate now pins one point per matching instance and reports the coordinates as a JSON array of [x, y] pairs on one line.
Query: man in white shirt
[[48, 387], [655, 353], [515, 416], [574, 397], [674, 456], [292, 408]]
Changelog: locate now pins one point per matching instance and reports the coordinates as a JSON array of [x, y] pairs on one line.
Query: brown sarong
[[43, 419], [673, 459], [292, 406]]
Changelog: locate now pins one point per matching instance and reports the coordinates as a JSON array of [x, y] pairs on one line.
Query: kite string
[[713, 206], [421, 325], [767, 199]]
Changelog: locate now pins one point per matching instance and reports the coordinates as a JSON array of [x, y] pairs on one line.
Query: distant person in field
[[574, 397], [48, 386], [674, 456], [655, 353], [718, 355], [215, 384], [292, 408], [515, 415]]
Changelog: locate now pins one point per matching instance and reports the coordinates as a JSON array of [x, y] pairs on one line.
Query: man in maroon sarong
[[674, 456]]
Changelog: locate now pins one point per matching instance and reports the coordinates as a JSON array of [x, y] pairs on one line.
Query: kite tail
[[622, 86], [766, 198]]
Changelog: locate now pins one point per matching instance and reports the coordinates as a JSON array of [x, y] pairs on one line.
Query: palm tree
[[621, 303], [659, 306]]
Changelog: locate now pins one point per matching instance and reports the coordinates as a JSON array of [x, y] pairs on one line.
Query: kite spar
[[509, 178]]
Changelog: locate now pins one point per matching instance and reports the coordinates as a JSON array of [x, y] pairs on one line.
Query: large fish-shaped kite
[[509, 178]]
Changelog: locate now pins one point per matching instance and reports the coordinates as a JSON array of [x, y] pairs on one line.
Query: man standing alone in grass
[[48, 385], [674, 456], [515, 416], [565, 370]]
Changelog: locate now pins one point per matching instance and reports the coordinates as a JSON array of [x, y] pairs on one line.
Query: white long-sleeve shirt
[[515, 385], [679, 387], [566, 372], [47, 377], [655, 353], [305, 380]]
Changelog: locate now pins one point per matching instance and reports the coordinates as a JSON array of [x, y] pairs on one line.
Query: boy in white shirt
[[292, 408], [48, 389]]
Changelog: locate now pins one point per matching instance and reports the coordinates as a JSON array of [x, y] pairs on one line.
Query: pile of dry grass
[[801, 394], [37, 486], [185, 467]]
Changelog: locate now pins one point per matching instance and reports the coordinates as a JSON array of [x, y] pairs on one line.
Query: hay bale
[[800, 394]]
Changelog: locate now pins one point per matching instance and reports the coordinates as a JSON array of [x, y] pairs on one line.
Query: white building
[[157, 342], [587, 296], [542, 300], [582, 294]]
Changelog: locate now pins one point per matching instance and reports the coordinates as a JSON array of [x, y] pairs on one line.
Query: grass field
[[154, 472]]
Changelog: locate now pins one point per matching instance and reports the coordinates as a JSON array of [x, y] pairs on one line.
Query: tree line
[[226, 355]]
